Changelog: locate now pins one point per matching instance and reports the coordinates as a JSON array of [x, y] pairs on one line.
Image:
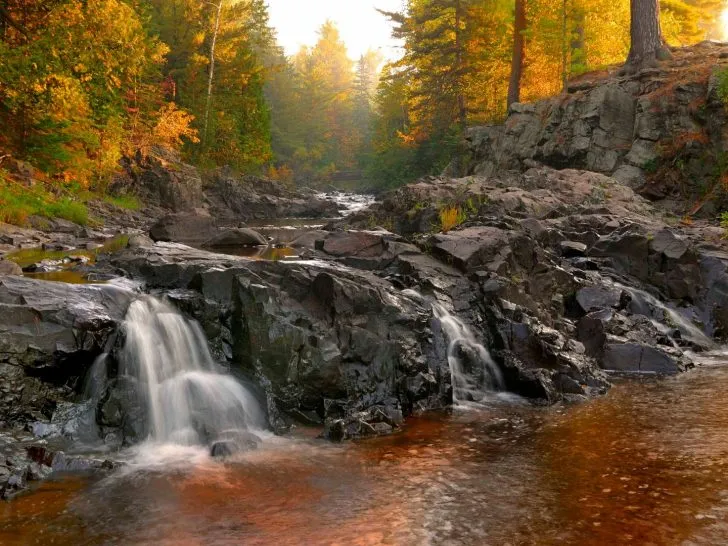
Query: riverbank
[[629, 468]]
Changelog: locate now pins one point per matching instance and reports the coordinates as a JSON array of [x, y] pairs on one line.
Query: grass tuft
[[450, 218], [18, 202]]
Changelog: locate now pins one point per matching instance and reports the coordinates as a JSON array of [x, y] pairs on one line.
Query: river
[[646, 464]]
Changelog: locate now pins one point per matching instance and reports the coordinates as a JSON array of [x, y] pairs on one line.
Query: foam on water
[[474, 376], [191, 401]]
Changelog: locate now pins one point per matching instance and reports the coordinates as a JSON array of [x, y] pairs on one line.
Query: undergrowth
[[450, 218], [129, 202], [19, 202]]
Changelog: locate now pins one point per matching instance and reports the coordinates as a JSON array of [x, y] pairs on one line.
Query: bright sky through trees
[[361, 27]]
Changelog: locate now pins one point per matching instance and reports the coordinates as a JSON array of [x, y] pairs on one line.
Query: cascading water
[[190, 400], [662, 315], [473, 372]]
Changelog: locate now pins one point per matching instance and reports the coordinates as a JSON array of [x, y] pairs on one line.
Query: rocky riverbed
[[558, 280]]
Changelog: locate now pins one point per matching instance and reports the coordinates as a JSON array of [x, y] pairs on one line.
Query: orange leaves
[[450, 218], [173, 125]]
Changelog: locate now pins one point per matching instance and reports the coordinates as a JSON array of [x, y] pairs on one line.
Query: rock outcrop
[[565, 276], [656, 131]]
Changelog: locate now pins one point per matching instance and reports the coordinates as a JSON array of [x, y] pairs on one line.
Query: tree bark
[[462, 110], [211, 76], [519, 46], [647, 44], [578, 55]]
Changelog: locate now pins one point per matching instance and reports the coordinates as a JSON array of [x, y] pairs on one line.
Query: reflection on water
[[34, 255], [64, 275], [644, 465], [268, 253]]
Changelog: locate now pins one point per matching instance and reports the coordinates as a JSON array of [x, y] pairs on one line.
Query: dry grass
[[450, 218]]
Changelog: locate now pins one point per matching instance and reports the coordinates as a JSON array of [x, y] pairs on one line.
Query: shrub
[[18, 202], [451, 217]]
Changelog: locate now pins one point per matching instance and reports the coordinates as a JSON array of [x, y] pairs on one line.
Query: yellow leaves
[[198, 39], [450, 218], [173, 125]]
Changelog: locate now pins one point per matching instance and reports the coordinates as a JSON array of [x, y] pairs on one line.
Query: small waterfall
[[474, 373], [190, 399], [665, 317]]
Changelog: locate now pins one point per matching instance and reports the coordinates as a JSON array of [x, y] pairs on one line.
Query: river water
[[647, 464]]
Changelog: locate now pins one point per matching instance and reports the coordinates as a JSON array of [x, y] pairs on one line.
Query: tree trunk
[[564, 47], [578, 55], [462, 110], [648, 46], [208, 101], [519, 46]]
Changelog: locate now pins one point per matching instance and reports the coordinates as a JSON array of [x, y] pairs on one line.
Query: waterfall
[[665, 317], [189, 398], [473, 372]]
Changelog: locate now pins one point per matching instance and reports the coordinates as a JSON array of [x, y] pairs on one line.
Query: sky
[[361, 26]]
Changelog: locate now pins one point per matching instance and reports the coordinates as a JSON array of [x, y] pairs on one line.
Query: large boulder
[[184, 228], [471, 248], [50, 334], [237, 237], [161, 178], [640, 358]]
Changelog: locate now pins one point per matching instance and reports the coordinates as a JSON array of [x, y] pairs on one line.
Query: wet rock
[[50, 334], [593, 298], [223, 449], [310, 331], [591, 331], [238, 237], [360, 425], [639, 358], [183, 228], [237, 442], [572, 249], [629, 251], [66, 463], [8, 267]]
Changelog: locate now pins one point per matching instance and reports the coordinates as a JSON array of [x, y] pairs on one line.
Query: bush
[[451, 217], [18, 202]]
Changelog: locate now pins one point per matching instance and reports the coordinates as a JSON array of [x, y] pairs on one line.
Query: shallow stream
[[647, 464]]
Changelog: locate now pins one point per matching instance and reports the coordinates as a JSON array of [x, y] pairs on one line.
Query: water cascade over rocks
[[665, 318], [190, 400], [474, 373]]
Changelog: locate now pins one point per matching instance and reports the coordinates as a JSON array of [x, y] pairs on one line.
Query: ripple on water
[[644, 465]]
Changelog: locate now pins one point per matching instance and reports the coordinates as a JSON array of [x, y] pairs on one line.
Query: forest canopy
[[83, 83]]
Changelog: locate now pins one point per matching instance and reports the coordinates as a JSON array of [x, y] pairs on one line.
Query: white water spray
[[473, 372], [190, 400], [670, 317]]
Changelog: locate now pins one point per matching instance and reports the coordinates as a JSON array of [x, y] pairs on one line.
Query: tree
[[211, 70], [519, 52], [216, 68], [647, 43]]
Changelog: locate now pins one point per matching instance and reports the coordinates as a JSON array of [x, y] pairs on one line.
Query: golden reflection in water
[[64, 275], [644, 465]]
